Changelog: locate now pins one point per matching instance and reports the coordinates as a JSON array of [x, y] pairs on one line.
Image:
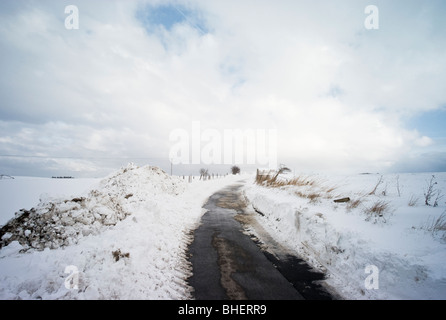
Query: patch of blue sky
[[169, 15], [335, 91], [431, 123], [232, 69]]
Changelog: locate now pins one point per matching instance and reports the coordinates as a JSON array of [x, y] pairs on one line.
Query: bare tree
[[204, 173], [235, 170]]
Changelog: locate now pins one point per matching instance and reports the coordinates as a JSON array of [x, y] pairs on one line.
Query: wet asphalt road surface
[[230, 264]]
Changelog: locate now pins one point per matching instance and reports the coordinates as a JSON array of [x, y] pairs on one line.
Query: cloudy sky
[[340, 96]]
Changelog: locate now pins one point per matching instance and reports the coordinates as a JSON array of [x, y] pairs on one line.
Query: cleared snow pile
[[126, 239], [59, 222], [374, 235]]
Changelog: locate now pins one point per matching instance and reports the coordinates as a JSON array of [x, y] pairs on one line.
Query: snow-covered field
[[125, 236], [397, 251]]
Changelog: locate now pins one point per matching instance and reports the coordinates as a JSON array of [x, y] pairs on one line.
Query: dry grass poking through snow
[[353, 204], [272, 179], [437, 225], [308, 187], [315, 191], [377, 210]]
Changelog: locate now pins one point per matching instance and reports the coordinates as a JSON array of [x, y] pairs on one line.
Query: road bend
[[230, 264]]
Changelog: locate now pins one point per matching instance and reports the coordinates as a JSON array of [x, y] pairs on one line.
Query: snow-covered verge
[[126, 238], [381, 244]]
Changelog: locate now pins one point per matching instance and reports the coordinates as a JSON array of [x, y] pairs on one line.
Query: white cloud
[[423, 141], [335, 92]]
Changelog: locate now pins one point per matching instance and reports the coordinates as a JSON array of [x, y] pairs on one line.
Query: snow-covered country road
[[227, 263], [128, 236]]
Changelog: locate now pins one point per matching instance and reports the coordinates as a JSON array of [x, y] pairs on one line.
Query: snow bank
[[125, 239], [348, 239], [61, 222]]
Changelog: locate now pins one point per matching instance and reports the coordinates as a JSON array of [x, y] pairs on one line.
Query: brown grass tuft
[[377, 210], [353, 204], [413, 201]]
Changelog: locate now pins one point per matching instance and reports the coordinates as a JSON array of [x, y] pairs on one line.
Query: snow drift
[[345, 239], [126, 238], [61, 222]]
